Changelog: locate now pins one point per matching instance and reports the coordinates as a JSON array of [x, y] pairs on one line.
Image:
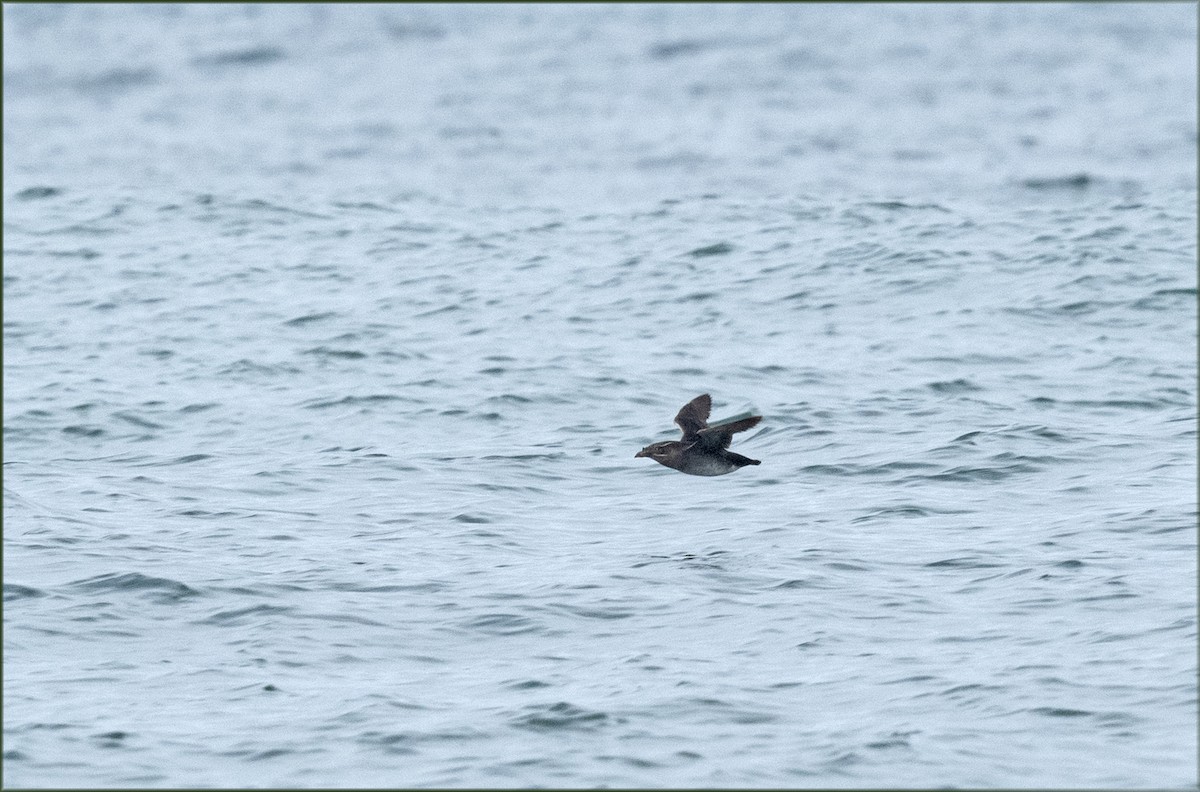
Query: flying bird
[[704, 450]]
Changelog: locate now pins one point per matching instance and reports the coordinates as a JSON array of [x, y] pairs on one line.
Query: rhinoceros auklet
[[703, 451]]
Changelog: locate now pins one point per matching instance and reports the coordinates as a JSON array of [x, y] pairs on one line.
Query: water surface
[[331, 332]]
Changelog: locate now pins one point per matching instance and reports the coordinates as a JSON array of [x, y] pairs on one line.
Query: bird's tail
[[740, 460]]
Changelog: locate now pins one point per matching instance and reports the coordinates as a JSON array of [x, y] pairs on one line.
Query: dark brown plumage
[[703, 450]]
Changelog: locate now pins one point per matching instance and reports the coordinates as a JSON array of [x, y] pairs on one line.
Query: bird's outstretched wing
[[721, 435], [694, 416]]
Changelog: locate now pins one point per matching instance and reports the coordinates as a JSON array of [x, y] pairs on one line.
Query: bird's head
[[658, 451]]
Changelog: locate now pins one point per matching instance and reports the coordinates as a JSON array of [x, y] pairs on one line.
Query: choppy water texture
[[330, 334]]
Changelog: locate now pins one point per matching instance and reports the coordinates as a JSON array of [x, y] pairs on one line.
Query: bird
[[703, 451]]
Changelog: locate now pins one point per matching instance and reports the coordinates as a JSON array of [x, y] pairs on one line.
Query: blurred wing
[[719, 436], [694, 416]]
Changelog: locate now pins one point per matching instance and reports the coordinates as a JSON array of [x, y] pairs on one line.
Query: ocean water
[[330, 333]]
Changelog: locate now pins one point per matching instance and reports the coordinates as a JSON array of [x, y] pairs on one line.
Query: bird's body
[[704, 450]]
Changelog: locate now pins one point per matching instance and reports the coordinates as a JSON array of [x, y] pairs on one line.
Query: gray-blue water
[[330, 333]]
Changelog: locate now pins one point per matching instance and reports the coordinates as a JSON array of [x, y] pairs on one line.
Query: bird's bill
[[641, 453]]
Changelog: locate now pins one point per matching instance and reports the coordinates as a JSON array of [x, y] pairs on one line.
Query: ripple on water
[[164, 590], [560, 716], [15, 591]]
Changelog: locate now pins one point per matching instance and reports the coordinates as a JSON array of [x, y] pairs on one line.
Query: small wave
[[846, 566], [800, 583], [962, 562], [1075, 181], [561, 716], [503, 624], [253, 755], [900, 205], [336, 354], [1063, 310], [351, 401], [136, 420], [116, 80], [896, 739], [429, 587], [15, 591], [310, 318], [979, 474], [902, 510], [242, 615], [1032, 462], [205, 514], [250, 56], [719, 249], [164, 589], [525, 457], [972, 359], [83, 431], [527, 684], [404, 742], [832, 470], [1165, 300], [908, 680], [188, 459], [612, 612], [1107, 232], [1039, 431], [900, 465], [344, 618], [669, 50], [708, 560], [1061, 712], [435, 311], [1123, 404], [972, 687], [195, 408], [244, 366], [509, 398], [81, 253], [38, 193], [954, 386]]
